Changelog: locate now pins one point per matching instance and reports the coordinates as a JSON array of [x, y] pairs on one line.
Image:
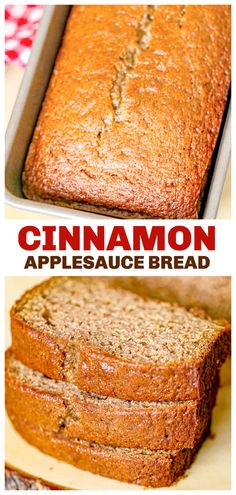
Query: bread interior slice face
[[110, 341]]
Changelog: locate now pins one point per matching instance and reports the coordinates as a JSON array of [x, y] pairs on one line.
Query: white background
[[223, 261]]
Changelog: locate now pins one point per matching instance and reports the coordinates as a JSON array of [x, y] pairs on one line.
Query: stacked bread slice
[[111, 381]]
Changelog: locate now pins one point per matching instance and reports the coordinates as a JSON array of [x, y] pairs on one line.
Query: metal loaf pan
[[27, 108]]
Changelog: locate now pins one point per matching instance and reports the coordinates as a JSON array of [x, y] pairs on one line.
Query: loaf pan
[[27, 108]]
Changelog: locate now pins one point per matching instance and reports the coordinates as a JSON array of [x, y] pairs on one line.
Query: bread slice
[[140, 466], [107, 340], [60, 407], [212, 294]]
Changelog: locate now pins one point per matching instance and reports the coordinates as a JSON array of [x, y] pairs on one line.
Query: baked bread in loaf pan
[[133, 110]]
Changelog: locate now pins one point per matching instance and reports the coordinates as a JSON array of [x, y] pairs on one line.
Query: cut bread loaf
[[140, 466], [211, 294], [133, 110], [60, 407], [110, 341]]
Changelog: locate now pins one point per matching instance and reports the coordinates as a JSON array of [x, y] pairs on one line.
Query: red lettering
[[204, 238], [118, 238], [23, 238], [156, 237], [66, 237], [97, 239], [172, 238], [49, 244]]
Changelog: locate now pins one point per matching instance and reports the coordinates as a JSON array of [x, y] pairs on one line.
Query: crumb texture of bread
[[139, 466], [108, 340], [133, 110], [60, 407], [122, 323], [210, 294]]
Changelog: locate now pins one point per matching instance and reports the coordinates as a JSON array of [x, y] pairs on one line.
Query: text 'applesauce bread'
[[116, 343], [144, 467], [133, 110], [60, 407]]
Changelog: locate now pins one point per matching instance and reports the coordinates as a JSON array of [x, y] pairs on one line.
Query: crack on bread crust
[[124, 70], [70, 363], [182, 15], [106, 123], [129, 61], [68, 416]]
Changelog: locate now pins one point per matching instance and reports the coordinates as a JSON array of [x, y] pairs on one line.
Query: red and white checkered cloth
[[21, 23]]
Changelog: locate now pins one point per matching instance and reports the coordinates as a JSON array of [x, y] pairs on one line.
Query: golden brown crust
[[170, 426], [94, 370], [131, 118], [158, 470]]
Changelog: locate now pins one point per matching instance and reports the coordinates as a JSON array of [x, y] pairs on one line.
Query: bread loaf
[[133, 110]]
